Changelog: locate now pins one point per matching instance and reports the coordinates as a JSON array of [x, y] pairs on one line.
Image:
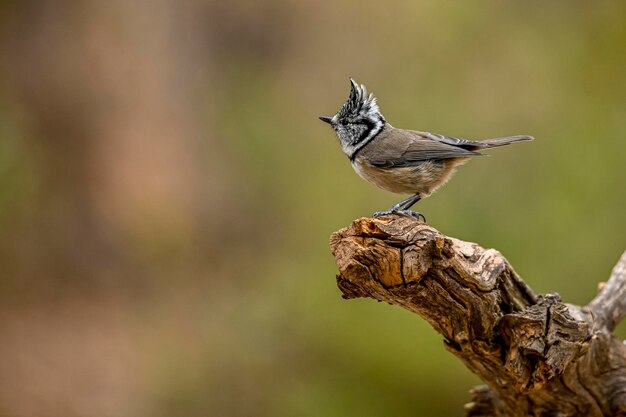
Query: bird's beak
[[326, 119]]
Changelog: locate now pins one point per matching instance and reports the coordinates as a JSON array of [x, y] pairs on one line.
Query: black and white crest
[[358, 121], [360, 104]]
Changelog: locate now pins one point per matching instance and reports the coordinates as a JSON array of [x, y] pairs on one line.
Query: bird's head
[[358, 120]]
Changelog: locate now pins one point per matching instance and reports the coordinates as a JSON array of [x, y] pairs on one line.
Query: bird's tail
[[495, 142]]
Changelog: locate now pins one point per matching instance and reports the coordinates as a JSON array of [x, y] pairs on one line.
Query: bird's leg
[[408, 203], [403, 208]]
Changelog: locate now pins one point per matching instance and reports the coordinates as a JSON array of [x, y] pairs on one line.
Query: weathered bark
[[537, 355]]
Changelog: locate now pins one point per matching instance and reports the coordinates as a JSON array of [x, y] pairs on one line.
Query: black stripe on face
[[367, 136], [369, 126]]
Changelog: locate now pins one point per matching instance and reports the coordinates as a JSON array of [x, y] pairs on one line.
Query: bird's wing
[[449, 140], [422, 147]]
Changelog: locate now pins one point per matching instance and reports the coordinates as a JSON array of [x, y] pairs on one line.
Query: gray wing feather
[[449, 140], [424, 147]]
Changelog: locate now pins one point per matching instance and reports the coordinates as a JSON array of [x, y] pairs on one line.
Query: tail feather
[[495, 142]]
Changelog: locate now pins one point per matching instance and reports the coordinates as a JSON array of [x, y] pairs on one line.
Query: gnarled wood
[[537, 355]]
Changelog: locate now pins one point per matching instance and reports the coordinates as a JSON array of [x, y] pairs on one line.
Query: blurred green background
[[167, 193]]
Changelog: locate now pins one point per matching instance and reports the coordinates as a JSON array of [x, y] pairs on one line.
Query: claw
[[382, 213], [402, 208], [411, 213]]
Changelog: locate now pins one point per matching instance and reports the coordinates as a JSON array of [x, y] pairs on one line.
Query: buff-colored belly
[[422, 179]]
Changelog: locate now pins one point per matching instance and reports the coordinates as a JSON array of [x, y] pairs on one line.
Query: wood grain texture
[[537, 355]]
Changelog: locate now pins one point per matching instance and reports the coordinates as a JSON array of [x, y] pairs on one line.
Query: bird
[[398, 160]]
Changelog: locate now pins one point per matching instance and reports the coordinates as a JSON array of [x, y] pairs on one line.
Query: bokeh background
[[167, 193]]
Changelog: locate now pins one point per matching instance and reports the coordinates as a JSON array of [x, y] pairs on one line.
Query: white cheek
[[347, 149]]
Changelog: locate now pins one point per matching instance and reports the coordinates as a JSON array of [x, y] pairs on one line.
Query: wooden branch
[[537, 355], [609, 306]]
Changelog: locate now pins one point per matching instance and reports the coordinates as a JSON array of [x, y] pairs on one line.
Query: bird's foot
[[411, 213], [382, 213]]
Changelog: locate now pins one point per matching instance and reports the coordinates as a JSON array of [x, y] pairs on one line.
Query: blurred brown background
[[167, 193]]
